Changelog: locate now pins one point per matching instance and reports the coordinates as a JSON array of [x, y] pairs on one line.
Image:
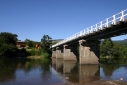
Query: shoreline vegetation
[[10, 46]]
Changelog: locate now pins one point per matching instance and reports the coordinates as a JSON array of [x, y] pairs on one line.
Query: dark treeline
[[9, 48], [122, 42], [111, 51]]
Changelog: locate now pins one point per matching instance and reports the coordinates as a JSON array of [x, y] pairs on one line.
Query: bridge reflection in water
[[74, 72]]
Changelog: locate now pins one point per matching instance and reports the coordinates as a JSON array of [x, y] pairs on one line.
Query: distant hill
[[122, 42], [56, 41]]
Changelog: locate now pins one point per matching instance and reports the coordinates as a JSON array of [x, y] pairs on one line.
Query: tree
[[106, 47], [46, 42], [110, 48], [29, 43], [8, 43], [32, 44]]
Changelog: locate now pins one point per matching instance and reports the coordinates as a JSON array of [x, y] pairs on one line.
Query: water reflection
[[77, 73], [54, 63], [7, 70], [22, 71], [108, 69], [89, 73], [68, 66], [59, 65], [71, 71]]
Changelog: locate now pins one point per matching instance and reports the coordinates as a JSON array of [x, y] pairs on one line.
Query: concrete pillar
[[89, 51], [69, 53], [53, 52], [59, 52]]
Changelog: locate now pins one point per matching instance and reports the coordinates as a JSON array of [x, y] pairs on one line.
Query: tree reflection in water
[[25, 71], [7, 69], [9, 66]]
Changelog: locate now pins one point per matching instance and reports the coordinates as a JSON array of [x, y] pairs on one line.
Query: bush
[[45, 55], [32, 52], [8, 44]]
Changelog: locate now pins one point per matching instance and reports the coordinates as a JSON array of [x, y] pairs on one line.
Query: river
[[23, 71]]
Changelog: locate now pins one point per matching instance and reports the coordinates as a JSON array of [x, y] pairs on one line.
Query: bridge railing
[[121, 16]]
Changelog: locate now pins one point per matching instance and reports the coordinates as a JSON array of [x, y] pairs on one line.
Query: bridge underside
[[88, 45], [113, 30]]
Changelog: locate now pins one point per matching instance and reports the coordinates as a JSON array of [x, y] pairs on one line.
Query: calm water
[[22, 71]]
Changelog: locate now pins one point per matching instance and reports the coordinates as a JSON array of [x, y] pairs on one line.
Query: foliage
[[35, 52], [112, 49], [45, 55], [32, 52], [32, 44], [44, 47], [8, 43], [46, 42], [106, 48]]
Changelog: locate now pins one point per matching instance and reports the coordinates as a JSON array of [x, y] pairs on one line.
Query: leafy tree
[[106, 47], [8, 43], [112, 49], [32, 44], [46, 42], [29, 43]]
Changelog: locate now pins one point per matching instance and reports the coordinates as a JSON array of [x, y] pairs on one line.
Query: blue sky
[[59, 19]]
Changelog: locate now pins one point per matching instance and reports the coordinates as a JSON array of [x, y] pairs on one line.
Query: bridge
[[85, 43]]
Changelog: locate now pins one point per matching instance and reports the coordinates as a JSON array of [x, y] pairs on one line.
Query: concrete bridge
[[85, 44]]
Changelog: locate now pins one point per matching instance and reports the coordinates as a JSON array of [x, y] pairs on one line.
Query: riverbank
[[34, 57], [101, 82]]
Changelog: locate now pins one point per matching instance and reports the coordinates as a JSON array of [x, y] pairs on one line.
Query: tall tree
[[46, 42], [110, 48], [8, 43], [106, 47]]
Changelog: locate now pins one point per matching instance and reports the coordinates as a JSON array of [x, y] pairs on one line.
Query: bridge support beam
[[53, 53], [89, 51], [59, 52], [69, 53]]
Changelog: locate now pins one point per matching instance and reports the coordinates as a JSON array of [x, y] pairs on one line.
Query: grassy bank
[[33, 53]]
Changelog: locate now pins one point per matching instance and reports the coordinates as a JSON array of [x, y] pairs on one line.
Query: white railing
[[99, 26]]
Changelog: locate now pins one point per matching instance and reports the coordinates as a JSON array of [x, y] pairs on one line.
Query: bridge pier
[[69, 53], [59, 52], [89, 51], [53, 53]]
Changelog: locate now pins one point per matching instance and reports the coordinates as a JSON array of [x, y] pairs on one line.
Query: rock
[[121, 79], [67, 78]]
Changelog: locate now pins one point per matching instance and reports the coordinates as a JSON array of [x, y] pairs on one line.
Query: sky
[[31, 19]]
